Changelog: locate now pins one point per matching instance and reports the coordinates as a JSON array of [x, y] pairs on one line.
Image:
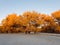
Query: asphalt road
[[30, 39]]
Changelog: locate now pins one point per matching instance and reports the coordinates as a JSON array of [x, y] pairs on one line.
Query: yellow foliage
[[56, 14], [29, 21]]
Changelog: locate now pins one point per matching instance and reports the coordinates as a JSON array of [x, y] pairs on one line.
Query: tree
[[30, 20], [11, 22], [56, 16], [49, 25]]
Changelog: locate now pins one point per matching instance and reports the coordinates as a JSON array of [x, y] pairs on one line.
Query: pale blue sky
[[20, 6]]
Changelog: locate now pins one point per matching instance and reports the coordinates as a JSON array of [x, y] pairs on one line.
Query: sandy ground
[[30, 39]]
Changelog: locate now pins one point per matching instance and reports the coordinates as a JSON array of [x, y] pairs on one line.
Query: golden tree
[[32, 18], [11, 22], [49, 24], [56, 16]]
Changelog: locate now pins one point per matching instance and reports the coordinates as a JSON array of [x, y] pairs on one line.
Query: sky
[[20, 6]]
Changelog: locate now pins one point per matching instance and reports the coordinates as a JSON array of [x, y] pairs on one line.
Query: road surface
[[30, 39]]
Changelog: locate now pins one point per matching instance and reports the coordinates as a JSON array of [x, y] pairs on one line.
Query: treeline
[[31, 22]]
